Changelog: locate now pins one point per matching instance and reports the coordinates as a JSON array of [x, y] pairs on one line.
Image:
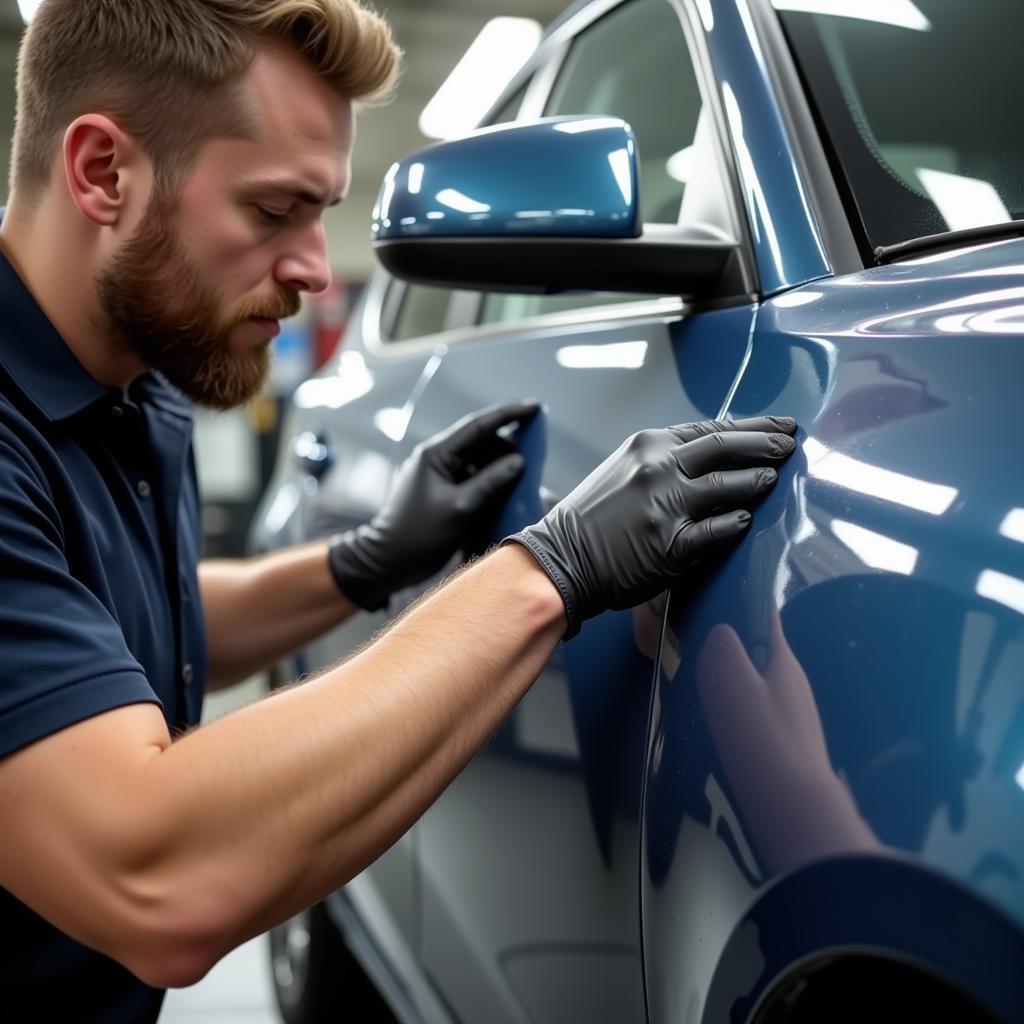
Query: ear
[[99, 163]]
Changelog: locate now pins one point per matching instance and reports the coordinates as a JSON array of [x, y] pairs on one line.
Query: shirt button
[[143, 489], [187, 674]]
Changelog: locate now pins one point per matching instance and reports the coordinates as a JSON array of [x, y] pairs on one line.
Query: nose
[[304, 267]]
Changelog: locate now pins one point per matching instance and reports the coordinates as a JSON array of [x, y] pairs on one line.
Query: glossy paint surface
[[782, 227], [559, 177], [818, 748], [837, 749], [529, 862]]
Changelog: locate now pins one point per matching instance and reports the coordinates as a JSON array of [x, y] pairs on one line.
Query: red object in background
[[328, 319]]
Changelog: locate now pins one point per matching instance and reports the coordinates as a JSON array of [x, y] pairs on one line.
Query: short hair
[[165, 70]]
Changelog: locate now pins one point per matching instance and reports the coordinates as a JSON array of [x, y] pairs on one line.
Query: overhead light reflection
[[416, 172], [680, 165], [1013, 525], [456, 200], [587, 124], [625, 355], [393, 423], [1007, 590], [383, 209], [875, 549], [791, 300], [502, 48], [622, 169], [964, 202], [825, 464], [352, 380], [901, 13], [707, 15]]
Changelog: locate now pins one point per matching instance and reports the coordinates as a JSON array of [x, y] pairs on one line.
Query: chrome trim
[[666, 309]]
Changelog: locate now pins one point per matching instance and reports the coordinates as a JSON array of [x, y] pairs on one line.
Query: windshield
[[919, 103]]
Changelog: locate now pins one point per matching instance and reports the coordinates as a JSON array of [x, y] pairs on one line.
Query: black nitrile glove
[[440, 494], [650, 510]]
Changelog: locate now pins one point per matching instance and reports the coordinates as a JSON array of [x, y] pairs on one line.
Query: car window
[[422, 310], [919, 108], [633, 63]]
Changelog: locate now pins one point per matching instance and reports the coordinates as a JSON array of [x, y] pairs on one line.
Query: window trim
[[830, 212]]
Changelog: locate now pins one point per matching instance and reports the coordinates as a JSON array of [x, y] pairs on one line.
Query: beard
[[157, 304]]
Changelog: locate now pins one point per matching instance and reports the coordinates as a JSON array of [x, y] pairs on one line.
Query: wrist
[[533, 586], [356, 575]]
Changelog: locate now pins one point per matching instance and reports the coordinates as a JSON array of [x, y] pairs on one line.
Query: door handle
[[312, 454]]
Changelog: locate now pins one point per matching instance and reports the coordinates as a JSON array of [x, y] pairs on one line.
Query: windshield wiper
[[948, 240]]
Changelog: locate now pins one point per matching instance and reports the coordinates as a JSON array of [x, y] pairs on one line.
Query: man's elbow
[[172, 943]]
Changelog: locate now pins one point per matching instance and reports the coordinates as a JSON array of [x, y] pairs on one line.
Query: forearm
[[266, 810], [262, 610]]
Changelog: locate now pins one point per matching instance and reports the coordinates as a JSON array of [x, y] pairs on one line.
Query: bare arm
[[170, 854], [261, 610]]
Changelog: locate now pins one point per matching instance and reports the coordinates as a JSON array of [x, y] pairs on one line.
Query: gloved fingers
[[472, 429], [488, 483], [697, 538], [477, 456], [687, 432], [732, 450], [722, 491]]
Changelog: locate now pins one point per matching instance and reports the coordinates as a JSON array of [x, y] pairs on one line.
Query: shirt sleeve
[[65, 658]]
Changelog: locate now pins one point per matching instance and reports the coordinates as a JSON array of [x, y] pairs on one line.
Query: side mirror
[[545, 207]]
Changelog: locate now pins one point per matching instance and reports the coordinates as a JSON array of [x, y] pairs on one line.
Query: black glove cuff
[[359, 582], [557, 578]]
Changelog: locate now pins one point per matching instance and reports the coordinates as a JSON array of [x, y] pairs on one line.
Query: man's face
[[199, 290]]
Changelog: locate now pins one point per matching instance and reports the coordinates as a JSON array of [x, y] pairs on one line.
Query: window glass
[[633, 63], [919, 104], [423, 311], [510, 111]]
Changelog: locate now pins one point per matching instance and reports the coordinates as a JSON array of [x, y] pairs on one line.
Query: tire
[[316, 979]]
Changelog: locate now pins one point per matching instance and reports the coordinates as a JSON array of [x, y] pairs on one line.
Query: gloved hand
[[650, 511], [443, 491]]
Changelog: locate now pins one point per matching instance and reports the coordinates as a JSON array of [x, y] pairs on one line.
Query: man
[[172, 163]]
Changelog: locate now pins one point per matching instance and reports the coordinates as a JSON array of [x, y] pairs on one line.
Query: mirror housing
[[547, 207]]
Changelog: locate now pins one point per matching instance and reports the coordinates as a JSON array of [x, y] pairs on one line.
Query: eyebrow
[[295, 187]]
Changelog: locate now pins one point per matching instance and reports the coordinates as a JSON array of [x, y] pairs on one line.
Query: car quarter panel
[[836, 759], [529, 862]]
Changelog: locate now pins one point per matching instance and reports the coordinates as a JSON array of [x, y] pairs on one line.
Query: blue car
[[791, 790]]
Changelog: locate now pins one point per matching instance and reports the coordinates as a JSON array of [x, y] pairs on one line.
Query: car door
[[528, 864], [834, 785]]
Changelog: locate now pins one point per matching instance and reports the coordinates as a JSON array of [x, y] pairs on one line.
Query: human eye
[[268, 215]]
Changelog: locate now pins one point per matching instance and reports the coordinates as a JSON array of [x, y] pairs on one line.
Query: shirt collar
[[47, 371]]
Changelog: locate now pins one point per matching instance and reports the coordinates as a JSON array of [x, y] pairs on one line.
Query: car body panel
[[551, 807], [818, 749], [843, 695]]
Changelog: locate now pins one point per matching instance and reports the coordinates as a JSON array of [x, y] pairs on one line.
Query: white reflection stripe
[[1007, 590], [1013, 525], [875, 549], [825, 464]]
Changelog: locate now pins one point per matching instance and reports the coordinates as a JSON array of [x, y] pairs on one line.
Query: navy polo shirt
[[99, 603]]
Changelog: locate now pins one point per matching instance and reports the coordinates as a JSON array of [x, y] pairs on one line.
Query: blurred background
[[459, 53], [235, 450]]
